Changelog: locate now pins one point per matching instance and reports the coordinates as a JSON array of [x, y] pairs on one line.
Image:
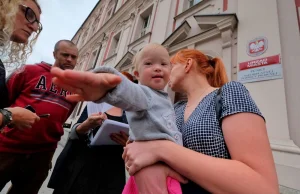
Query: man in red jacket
[[25, 155]]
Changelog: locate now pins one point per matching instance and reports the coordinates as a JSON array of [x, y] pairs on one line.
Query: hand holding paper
[[108, 127], [93, 121]]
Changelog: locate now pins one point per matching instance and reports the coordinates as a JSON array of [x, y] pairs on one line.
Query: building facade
[[257, 40]]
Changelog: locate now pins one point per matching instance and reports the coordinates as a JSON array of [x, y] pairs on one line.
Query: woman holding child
[[231, 154]]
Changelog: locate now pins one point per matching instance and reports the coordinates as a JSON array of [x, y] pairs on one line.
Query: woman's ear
[[188, 65]]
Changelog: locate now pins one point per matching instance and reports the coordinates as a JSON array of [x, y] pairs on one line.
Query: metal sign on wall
[[257, 46], [267, 68]]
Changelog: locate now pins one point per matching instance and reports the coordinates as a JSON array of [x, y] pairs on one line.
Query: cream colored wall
[[288, 163], [270, 98], [171, 18], [212, 47], [269, 95], [161, 20], [234, 56], [290, 45], [232, 6], [277, 99], [195, 29]]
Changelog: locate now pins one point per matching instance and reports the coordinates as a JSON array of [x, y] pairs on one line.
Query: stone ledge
[[284, 146], [287, 190]]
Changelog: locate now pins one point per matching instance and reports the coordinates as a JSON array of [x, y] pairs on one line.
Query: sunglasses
[[31, 17]]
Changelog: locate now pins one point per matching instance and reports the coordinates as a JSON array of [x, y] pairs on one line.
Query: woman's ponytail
[[218, 77]]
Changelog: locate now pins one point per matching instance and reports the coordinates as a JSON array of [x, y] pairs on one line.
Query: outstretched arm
[[105, 85], [86, 86]]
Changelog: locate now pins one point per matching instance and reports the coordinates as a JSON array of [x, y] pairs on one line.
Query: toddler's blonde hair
[[137, 58]]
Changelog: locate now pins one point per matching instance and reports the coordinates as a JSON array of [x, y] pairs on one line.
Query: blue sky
[[61, 19]]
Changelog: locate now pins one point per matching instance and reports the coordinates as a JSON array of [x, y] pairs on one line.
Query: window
[[108, 15], [95, 25], [117, 40], [193, 2], [98, 18], [92, 61], [114, 44], [82, 38], [146, 24], [99, 12]]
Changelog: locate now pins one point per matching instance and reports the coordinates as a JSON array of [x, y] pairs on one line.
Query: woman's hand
[[93, 121], [22, 118], [157, 183], [85, 85], [138, 155], [96, 119], [120, 138]]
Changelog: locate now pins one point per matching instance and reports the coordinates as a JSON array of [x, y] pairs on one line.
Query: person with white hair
[[19, 30]]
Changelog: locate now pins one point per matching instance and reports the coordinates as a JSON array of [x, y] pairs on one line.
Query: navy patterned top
[[202, 132]]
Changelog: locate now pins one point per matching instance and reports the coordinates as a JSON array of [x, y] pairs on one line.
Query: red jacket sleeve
[[15, 83]]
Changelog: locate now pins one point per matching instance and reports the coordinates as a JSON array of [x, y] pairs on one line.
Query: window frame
[[193, 3]]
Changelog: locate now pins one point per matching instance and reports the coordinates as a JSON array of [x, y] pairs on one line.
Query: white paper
[[108, 127]]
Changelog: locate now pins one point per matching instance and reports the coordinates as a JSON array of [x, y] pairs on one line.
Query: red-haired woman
[[229, 155]]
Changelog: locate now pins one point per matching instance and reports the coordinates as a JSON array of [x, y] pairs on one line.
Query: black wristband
[[6, 119]]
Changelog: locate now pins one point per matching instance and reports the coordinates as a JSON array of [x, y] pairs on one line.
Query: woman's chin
[[23, 39]]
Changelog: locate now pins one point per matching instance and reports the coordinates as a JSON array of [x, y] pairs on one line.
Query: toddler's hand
[[86, 86]]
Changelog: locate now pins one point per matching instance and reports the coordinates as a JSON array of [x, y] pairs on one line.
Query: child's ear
[[136, 74]]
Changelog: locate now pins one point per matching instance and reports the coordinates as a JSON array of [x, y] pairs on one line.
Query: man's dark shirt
[[3, 89]]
